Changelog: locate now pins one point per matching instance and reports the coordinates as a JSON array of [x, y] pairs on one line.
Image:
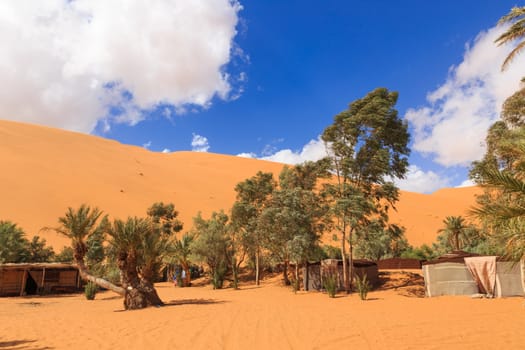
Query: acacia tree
[[516, 31], [292, 220], [381, 242], [211, 244], [367, 146], [252, 198]]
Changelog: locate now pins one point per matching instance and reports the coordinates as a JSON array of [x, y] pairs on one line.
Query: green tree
[[504, 212], [180, 253], [165, 216], [367, 146], [252, 198], [293, 219], [454, 231], [65, 255], [38, 252], [501, 172], [13, 244], [380, 242], [96, 253], [516, 32], [211, 244], [137, 248], [78, 225], [166, 224]]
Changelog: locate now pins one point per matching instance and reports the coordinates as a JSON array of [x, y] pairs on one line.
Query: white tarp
[[483, 270]]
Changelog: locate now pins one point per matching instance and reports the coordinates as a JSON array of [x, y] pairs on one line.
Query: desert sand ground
[[46, 170], [266, 317]]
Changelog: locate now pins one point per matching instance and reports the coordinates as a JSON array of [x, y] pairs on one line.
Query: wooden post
[[43, 278], [23, 285]]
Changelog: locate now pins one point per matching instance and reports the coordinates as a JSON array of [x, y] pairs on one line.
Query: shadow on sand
[[193, 302], [21, 345]]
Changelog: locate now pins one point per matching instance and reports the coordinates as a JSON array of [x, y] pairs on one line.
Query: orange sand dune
[[45, 170], [266, 317]]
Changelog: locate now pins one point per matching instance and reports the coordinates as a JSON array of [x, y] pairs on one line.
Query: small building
[[38, 278], [400, 264], [315, 271]]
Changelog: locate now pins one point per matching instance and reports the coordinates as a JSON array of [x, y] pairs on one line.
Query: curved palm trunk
[[86, 276], [79, 253]]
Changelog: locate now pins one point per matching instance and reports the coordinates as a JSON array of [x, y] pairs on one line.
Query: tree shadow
[[406, 283], [21, 345], [193, 302]]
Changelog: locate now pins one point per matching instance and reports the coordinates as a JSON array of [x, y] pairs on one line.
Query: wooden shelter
[[314, 272], [38, 278]]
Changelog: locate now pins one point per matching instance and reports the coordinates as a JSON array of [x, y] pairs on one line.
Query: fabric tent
[[469, 274]]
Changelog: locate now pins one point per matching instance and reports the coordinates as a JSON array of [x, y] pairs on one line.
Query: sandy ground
[[266, 317], [46, 170]]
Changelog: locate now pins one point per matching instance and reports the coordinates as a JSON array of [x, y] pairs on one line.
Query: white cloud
[[166, 150], [467, 183], [247, 155], [147, 145], [199, 143], [452, 128], [69, 63], [421, 181], [312, 151]]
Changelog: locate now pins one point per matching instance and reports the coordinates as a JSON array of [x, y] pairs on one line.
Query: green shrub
[[330, 283], [218, 276], [295, 284], [363, 286], [90, 290]]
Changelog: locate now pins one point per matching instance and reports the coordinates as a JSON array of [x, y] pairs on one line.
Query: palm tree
[[179, 253], [138, 248], [78, 225], [516, 31], [506, 213], [455, 231]]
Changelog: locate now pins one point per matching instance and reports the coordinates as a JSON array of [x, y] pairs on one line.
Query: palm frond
[[514, 13], [503, 181]]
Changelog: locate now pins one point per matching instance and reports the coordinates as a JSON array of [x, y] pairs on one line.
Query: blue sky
[[260, 78]]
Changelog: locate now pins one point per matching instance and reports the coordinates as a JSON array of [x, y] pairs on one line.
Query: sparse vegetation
[[363, 286], [90, 290], [330, 281]]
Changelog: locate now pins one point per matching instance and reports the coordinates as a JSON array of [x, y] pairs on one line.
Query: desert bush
[[90, 290], [363, 286], [330, 283], [295, 284], [218, 276]]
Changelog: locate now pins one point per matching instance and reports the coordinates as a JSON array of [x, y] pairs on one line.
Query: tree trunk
[[350, 266], [187, 278], [139, 293], [285, 273], [257, 267], [235, 273], [343, 256], [86, 276]]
